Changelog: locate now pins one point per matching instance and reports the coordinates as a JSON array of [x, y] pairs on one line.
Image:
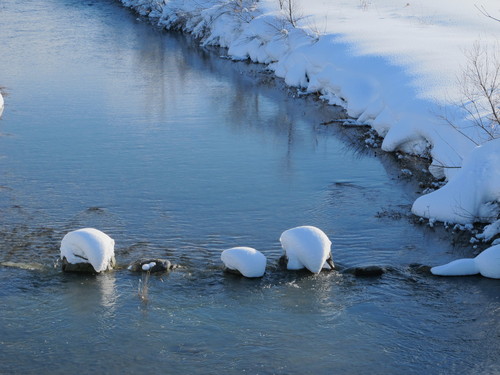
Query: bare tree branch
[[480, 85], [483, 10]]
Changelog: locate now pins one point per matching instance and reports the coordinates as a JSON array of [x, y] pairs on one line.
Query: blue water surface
[[178, 153]]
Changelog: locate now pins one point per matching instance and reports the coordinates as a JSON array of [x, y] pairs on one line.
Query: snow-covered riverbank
[[394, 65]]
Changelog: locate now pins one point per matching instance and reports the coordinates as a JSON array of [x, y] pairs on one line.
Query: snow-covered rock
[[88, 246], [487, 264], [473, 194], [306, 247], [246, 260], [150, 265]]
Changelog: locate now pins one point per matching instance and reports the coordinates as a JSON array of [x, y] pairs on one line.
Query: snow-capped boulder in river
[[246, 260], [487, 264], [87, 250], [307, 247]]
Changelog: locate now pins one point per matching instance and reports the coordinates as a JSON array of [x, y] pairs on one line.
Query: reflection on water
[[178, 154], [104, 294]]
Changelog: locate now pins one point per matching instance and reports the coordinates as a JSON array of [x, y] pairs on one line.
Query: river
[[178, 153]]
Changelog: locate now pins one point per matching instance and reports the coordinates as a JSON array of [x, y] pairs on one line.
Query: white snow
[[472, 195], [306, 247], [88, 245], [392, 64], [490, 231], [487, 264], [148, 266], [1, 104], [248, 261]]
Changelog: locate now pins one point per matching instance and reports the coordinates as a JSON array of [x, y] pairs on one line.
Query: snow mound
[[89, 245], [473, 194], [306, 247], [248, 261], [487, 264]]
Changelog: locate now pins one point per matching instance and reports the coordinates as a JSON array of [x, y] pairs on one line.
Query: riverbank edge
[[195, 24]]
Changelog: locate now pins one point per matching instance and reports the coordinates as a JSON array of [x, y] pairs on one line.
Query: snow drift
[[472, 195], [487, 264]]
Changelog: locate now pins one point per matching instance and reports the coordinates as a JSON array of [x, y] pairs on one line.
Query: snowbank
[[306, 247], [473, 195], [248, 261], [392, 64], [487, 264], [490, 231], [89, 245]]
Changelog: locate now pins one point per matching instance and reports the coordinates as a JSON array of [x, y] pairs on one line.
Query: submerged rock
[[25, 266], [233, 271], [150, 265], [366, 271], [420, 269]]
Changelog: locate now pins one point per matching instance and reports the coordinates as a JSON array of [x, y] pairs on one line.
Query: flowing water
[[178, 153]]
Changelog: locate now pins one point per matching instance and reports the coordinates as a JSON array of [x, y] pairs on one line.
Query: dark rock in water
[[366, 271], [83, 267], [233, 272], [283, 261], [421, 269], [150, 265]]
